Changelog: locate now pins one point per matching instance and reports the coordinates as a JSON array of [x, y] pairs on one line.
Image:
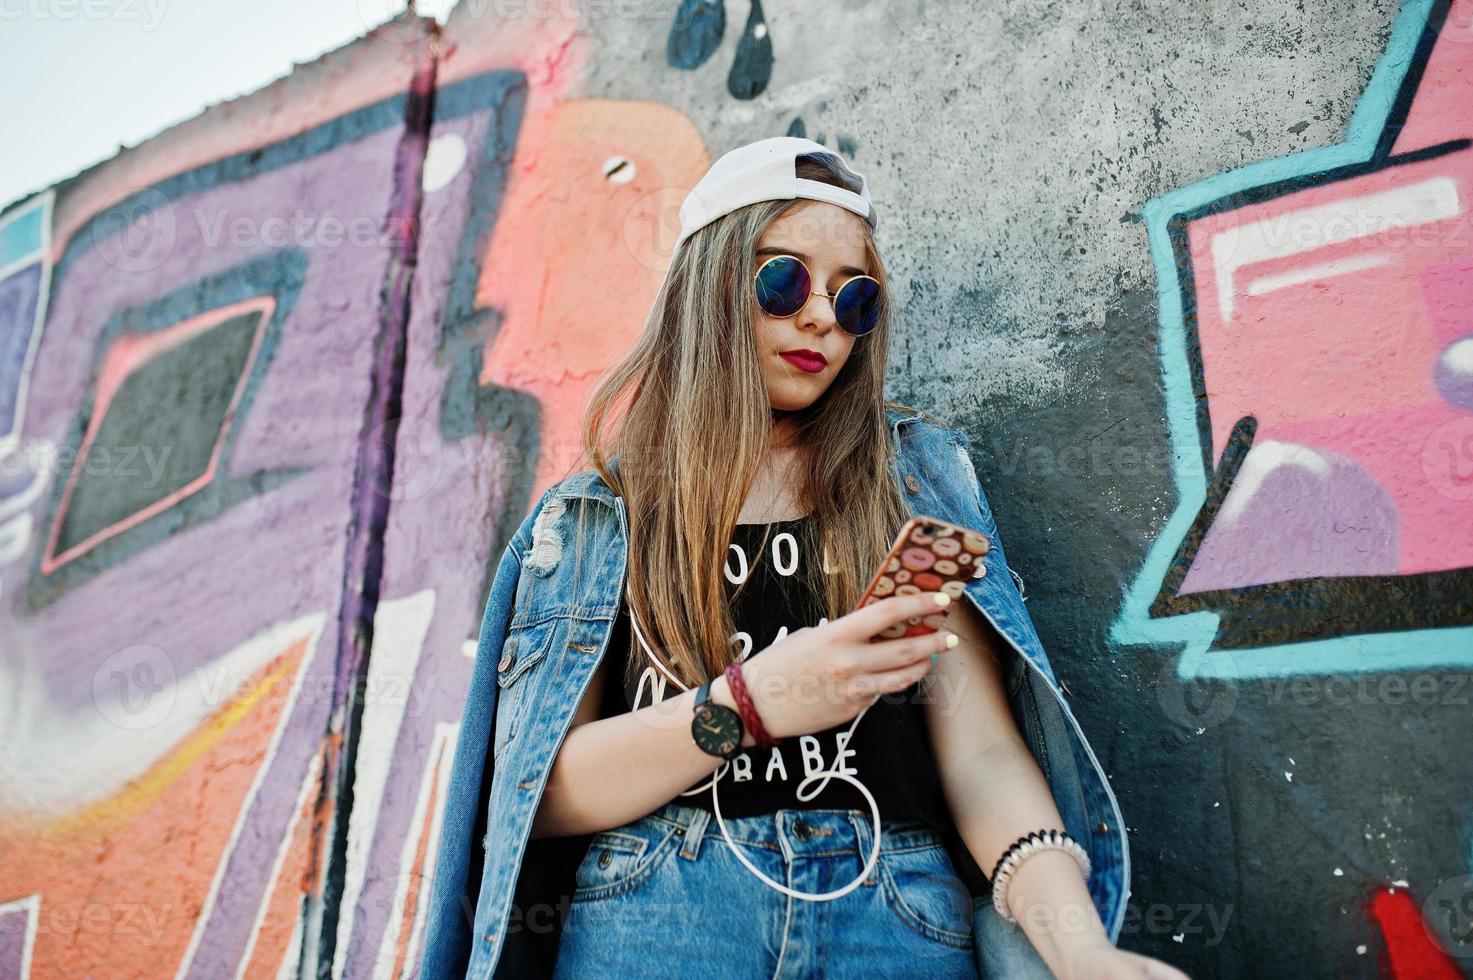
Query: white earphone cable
[[827, 774]]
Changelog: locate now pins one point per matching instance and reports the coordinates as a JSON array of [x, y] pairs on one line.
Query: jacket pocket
[[524, 648]]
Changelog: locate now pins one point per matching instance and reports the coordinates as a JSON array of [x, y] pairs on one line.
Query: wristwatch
[[716, 728]]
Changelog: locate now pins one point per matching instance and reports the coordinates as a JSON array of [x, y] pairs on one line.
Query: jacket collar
[[589, 484]]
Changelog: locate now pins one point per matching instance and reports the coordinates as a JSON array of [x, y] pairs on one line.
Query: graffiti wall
[[198, 336], [277, 385]]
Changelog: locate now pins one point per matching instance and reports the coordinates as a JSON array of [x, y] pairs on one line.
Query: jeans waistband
[[797, 832]]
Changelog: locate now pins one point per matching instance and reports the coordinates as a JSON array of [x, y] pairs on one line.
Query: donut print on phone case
[[929, 555]]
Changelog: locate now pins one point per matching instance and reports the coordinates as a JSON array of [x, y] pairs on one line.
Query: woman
[[717, 782]]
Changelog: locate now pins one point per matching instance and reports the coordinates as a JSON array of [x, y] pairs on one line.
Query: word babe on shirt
[[888, 751]]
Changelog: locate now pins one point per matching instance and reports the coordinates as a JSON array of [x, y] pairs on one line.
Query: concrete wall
[[276, 385]]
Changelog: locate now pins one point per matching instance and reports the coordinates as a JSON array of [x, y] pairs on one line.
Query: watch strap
[[703, 694]]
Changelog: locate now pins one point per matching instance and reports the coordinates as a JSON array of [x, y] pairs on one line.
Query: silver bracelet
[[1024, 848]]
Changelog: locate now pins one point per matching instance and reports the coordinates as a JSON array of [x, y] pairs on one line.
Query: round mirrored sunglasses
[[783, 286]]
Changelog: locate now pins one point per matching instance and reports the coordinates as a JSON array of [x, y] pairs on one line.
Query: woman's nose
[[819, 311]]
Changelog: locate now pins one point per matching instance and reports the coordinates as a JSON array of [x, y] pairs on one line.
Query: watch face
[[716, 728]]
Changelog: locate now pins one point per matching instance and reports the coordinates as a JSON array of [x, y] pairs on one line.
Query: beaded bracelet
[[1022, 849]]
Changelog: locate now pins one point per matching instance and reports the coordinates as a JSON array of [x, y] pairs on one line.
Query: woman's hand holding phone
[[821, 676]]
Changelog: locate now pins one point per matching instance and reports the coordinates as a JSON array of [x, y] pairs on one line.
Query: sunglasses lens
[[782, 286], [857, 307]]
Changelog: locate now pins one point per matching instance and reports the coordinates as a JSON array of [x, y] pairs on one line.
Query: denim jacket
[[543, 635]]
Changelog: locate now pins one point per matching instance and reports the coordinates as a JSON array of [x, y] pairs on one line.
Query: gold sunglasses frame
[[812, 292]]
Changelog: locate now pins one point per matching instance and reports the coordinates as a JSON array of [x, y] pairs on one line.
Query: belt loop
[[693, 833]]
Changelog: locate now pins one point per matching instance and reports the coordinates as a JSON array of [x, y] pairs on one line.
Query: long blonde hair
[[696, 430]]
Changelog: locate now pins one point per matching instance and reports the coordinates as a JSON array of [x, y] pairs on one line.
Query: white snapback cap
[[766, 171]]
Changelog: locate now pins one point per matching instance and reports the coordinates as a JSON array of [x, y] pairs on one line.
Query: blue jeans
[[663, 896]]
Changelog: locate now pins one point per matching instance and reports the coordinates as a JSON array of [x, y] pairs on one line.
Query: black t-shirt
[[889, 751]]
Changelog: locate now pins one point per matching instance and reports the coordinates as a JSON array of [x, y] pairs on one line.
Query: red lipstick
[[805, 360]]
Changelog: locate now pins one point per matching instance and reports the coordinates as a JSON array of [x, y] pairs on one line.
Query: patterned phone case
[[929, 555]]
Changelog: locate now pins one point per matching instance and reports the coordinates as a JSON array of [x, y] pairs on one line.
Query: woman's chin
[[789, 405], [796, 394]]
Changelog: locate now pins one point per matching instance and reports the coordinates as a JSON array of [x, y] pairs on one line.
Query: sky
[[109, 73]]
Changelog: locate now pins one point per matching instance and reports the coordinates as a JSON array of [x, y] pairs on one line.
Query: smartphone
[[929, 555]]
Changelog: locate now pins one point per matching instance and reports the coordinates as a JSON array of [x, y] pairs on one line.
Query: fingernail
[[942, 599]]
